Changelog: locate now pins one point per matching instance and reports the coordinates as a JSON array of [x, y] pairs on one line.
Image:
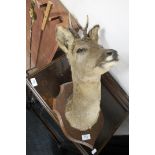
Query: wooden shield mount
[[87, 137]]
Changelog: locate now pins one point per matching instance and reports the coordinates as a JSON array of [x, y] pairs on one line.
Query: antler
[[71, 28], [85, 28]]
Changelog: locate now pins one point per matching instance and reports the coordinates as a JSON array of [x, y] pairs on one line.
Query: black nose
[[113, 53], [109, 53]]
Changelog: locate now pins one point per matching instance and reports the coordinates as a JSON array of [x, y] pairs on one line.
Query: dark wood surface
[[114, 102], [71, 133], [118, 93]]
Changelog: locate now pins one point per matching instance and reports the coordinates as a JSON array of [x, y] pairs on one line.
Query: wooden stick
[[46, 15], [45, 19]]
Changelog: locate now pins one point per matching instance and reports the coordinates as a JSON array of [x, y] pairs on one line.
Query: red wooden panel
[[45, 39]]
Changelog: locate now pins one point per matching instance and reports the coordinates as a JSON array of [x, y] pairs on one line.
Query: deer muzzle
[[112, 55]]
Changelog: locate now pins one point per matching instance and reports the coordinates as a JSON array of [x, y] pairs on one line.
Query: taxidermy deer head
[[88, 61]]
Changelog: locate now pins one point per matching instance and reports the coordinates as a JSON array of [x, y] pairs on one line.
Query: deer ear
[[65, 38], [93, 33]]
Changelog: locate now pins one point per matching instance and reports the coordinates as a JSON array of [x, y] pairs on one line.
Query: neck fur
[[86, 91], [84, 103]]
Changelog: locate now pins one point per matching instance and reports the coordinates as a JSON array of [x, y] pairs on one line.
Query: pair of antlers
[[72, 30]]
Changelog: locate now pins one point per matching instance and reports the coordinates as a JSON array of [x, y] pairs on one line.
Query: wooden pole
[[45, 19]]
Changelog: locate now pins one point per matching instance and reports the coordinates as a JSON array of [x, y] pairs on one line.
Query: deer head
[[87, 58]]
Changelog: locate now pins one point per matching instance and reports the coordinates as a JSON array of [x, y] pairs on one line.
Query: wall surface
[[113, 18]]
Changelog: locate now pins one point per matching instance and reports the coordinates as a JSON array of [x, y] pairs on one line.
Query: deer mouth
[[112, 55], [110, 60]]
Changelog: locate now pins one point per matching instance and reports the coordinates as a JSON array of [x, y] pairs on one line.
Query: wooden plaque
[[71, 133]]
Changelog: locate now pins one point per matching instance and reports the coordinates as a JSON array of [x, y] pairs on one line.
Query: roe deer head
[[88, 61]]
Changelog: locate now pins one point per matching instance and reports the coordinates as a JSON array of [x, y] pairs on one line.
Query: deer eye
[[81, 50]]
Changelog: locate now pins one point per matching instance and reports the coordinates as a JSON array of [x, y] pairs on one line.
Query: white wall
[[112, 16]]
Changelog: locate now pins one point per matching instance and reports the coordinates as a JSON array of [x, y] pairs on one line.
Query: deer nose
[[109, 53], [113, 53]]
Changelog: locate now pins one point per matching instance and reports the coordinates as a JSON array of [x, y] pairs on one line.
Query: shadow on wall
[[122, 67], [102, 39]]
